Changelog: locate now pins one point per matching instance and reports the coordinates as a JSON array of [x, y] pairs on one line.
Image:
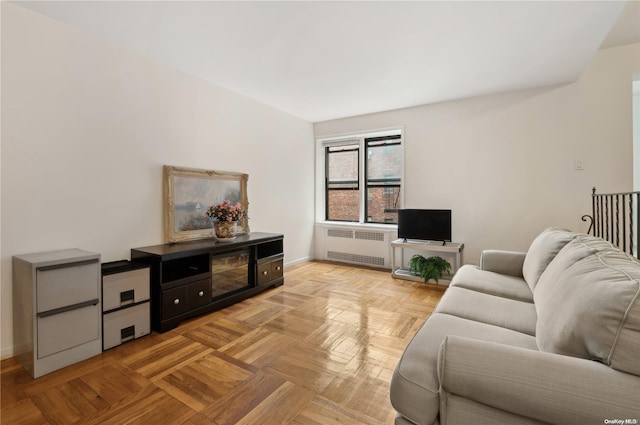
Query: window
[[370, 193], [342, 183], [383, 177]]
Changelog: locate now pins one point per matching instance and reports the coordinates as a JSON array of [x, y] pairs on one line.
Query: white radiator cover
[[363, 245]]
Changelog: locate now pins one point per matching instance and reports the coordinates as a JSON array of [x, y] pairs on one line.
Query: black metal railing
[[615, 217]]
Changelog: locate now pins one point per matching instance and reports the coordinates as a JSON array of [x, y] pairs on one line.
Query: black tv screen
[[432, 225]]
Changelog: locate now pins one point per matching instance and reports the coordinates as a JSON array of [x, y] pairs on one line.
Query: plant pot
[[225, 229]]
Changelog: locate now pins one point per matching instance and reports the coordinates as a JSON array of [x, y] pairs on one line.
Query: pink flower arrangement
[[225, 211]]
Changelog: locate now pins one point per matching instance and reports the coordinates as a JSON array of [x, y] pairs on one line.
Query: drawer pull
[[68, 308], [201, 294], [176, 301], [278, 268], [264, 273], [128, 333], [67, 265], [127, 297]]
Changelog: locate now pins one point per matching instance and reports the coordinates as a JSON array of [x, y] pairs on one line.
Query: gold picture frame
[[188, 192]]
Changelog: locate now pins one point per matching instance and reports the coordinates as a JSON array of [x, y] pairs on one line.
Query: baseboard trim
[[6, 353], [298, 261]]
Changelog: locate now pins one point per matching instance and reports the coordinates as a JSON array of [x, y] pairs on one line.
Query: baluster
[[606, 218], [616, 235], [599, 206], [612, 219], [624, 224], [601, 216], [592, 228], [637, 225], [630, 231]]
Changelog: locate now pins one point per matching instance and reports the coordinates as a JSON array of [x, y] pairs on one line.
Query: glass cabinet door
[[230, 271]]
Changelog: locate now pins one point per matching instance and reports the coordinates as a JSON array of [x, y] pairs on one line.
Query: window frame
[[322, 192]]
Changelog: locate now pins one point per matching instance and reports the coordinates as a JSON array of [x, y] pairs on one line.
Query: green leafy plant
[[428, 268]]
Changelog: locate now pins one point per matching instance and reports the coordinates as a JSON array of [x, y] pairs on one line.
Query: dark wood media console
[[192, 278]]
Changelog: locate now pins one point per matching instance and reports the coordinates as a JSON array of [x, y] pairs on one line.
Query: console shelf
[[192, 278], [451, 249]]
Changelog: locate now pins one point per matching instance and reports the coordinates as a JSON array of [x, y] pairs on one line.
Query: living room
[[87, 126]]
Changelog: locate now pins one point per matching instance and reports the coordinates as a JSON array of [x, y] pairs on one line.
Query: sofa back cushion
[[543, 249], [588, 305], [581, 246]]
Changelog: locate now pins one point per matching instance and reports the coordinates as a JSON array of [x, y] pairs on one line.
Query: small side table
[[398, 271]]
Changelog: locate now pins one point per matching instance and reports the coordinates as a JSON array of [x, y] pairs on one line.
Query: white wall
[[505, 163], [87, 127]]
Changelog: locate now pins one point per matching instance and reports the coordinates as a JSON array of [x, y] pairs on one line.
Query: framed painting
[[188, 193]]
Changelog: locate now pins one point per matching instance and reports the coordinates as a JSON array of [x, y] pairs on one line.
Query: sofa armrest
[[546, 387], [503, 262]]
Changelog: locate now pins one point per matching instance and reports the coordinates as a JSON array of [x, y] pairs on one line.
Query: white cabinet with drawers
[[125, 302], [56, 309]]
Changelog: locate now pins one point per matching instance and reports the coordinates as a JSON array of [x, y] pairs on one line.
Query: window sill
[[379, 226]]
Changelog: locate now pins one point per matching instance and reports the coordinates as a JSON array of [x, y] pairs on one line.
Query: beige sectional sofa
[[551, 336]]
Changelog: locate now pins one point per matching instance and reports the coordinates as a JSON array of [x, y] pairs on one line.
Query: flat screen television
[[431, 225]]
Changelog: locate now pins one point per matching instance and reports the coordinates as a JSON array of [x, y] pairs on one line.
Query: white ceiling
[[320, 60]]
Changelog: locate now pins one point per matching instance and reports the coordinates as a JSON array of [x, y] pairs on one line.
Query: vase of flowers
[[225, 229], [226, 216]]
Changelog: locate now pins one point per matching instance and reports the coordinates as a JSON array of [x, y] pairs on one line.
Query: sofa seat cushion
[[415, 385], [542, 251], [589, 305], [498, 311], [501, 285]]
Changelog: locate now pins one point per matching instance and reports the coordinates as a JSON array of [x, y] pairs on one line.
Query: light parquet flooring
[[318, 350]]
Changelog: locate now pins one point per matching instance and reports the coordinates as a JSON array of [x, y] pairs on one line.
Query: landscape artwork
[[188, 194], [194, 195]]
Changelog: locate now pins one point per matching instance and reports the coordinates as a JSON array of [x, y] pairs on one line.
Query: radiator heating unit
[[369, 247]]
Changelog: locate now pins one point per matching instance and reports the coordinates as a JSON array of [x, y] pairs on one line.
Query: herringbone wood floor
[[318, 350]]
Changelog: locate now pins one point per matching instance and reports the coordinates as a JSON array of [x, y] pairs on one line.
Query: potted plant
[[428, 268], [226, 215]]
